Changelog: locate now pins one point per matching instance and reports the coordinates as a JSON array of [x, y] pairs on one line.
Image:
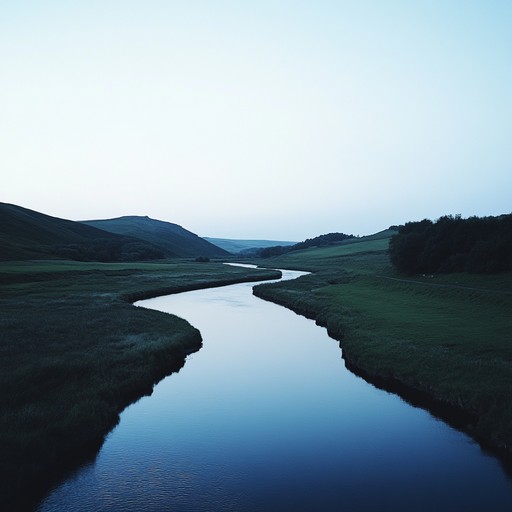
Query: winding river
[[265, 417]]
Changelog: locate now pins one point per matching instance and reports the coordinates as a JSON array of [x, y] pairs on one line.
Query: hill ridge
[[171, 237], [29, 234]]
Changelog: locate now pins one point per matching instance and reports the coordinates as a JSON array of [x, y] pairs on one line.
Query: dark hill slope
[[27, 234], [171, 237]]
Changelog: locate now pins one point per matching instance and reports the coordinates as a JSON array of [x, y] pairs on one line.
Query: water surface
[[265, 417]]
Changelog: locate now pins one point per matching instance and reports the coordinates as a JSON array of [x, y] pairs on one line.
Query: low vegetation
[[74, 352], [443, 338]]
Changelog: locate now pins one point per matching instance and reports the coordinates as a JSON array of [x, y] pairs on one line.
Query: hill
[[236, 246], [318, 241], [172, 238], [27, 234]]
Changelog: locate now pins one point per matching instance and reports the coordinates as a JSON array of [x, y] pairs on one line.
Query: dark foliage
[[318, 241], [453, 244], [277, 250]]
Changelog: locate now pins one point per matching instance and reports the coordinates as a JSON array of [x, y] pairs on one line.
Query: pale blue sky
[[269, 119]]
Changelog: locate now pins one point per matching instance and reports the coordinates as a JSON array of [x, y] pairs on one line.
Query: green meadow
[[74, 352], [445, 337]]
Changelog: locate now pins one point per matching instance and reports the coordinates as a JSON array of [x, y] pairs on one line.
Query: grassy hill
[[442, 339], [27, 234], [174, 239], [235, 246]]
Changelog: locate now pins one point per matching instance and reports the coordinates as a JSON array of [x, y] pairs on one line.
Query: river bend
[[265, 417]]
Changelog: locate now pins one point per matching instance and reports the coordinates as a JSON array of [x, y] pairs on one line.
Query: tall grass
[[447, 337], [74, 352]]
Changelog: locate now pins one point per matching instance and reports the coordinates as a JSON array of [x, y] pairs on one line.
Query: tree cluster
[[318, 241], [453, 244]]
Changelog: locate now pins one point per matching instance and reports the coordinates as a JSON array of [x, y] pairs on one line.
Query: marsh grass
[[448, 337], [74, 352]]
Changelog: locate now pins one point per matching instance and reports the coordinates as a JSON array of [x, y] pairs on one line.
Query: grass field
[[448, 337], [74, 352]]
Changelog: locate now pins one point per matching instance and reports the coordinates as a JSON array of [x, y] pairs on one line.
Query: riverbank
[[448, 346], [75, 353]]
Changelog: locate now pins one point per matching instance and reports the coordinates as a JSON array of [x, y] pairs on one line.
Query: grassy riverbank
[[447, 338], [74, 352]]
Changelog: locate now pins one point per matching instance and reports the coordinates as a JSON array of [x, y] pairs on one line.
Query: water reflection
[[266, 417]]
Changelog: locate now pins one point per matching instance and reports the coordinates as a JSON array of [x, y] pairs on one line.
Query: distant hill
[[318, 241], [27, 234], [235, 246], [172, 238]]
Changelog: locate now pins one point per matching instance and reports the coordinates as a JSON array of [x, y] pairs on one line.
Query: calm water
[[265, 417]]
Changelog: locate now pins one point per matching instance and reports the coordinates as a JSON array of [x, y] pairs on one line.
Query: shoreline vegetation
[[442, 342], [75, 352]]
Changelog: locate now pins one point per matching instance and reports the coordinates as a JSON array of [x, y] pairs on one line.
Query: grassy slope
[[235, 246], [27, 234], [173, 238], [448, 337], [74, 352]]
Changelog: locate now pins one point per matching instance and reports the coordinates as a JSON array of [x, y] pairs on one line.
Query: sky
[[257, 119]]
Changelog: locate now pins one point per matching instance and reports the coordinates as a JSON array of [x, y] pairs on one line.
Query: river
[[265, 417]]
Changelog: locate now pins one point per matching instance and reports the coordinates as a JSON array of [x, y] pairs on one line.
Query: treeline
[[453, 244], [318, 241]]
